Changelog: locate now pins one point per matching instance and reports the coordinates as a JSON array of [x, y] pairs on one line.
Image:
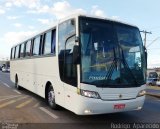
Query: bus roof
[[93, 16], [69, 17]]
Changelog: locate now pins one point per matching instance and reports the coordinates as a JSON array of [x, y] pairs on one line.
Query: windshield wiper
[[127, 66], [114, 65], [111, 68]]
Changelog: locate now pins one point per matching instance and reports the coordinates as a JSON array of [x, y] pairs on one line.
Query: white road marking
[[17, 91], [49, 113], [6, 96], [24, 103], [36, 105], [9, 97], [7, 103], [11, 102], [6, 85]]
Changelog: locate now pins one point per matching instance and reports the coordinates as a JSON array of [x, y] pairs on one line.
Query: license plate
[[119, 106]]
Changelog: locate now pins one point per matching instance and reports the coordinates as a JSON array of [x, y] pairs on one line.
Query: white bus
[[86, 64]]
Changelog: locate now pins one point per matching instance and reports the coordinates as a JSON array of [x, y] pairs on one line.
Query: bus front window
[[111, 54]]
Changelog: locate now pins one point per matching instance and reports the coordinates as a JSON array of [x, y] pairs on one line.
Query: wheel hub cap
[[51, 97]]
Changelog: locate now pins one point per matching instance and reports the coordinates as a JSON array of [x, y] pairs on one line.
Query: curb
[[155, 95]]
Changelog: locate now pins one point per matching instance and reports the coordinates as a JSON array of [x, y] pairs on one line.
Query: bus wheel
[[16, 84], [51, 98]]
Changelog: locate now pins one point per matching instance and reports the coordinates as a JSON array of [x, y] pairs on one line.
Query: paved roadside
[[153, 91]]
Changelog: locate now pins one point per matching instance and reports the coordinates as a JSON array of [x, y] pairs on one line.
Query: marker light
[[87, 111]]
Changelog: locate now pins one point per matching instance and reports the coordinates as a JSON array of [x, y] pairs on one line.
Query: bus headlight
[[90, 94], [141, 93]]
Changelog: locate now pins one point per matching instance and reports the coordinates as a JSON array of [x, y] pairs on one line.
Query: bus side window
[[28, 49], [36, 46], [17, 52], [22, 51], [53, 43], [12, 53], [47, 43], [41, 45]]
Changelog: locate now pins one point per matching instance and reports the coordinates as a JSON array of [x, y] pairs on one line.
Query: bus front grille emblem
[[120, 96]]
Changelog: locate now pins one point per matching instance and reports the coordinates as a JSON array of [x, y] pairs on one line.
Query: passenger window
[[22, 51], [47, 43], [28, 48], [12, 54], [17, 52], [53, 45], [36, 46]]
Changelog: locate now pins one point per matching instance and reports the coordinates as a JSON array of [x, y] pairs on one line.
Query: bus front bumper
[[90, 106]]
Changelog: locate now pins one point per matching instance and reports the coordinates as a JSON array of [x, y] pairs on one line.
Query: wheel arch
[[16, 77]]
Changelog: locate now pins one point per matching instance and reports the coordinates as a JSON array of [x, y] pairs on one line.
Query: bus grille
[[117, 96]]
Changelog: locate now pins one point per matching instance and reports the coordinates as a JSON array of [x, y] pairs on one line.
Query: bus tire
[[51, 98], [16, 83]]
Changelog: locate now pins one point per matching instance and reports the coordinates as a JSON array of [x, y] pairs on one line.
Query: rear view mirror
[[76, 54]]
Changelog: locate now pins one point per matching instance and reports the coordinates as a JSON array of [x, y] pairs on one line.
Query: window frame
[[53, 32], [28, 41], [30, 46], [21, 49], [17, 52], [11, 55], [33, 45], [53, 43], [44, 42]]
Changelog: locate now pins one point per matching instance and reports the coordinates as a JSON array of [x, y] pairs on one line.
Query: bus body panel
[[33, 75], [70, 97]]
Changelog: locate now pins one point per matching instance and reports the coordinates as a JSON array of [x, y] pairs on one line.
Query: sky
[[20, 19]]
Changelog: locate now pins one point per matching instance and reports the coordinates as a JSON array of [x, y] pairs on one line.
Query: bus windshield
[[111, 54]]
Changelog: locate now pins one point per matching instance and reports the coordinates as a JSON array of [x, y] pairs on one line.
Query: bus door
[[70, 73], [67, 69]]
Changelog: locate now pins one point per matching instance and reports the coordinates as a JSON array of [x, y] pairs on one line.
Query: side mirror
[[76, 54]]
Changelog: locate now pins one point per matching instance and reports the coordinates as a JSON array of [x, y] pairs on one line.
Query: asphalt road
[[25, 107]]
